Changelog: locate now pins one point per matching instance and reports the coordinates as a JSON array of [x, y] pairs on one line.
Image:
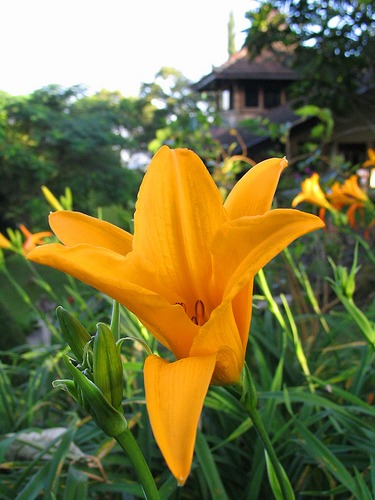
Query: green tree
[[62, 137], [187, 117], [331, 44]]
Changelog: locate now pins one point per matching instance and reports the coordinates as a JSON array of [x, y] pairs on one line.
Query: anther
[[182, 304], [199, 312], [194, 320]]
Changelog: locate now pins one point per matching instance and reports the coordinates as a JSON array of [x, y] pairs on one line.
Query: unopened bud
[[107, 365], [108, 418], [73, 332]]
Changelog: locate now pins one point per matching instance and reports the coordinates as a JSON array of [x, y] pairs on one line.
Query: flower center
[[199, 316]]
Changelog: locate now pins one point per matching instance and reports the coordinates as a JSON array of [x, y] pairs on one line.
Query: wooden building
[[260, 88]]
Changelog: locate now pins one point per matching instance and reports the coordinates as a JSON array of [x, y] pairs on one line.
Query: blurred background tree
[[331, 44], [188, 115], [62, 137]]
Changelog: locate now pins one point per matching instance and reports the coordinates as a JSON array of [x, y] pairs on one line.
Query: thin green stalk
[[274, 308], [286, 491], [364, 367], [298, 347], [115, 320], [305, 283], [129, 445], [25, 297], [278, 479], [42, 282]]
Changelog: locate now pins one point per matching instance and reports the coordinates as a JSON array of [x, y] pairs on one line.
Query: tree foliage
[[332, 44], [62, 137], [188, 116]]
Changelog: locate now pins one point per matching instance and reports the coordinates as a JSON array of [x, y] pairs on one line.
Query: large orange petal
[[113, 275], [253, 194], [175, 395], [221, 335], [73, 228], [178, 211], [243, 246], [242, 309]]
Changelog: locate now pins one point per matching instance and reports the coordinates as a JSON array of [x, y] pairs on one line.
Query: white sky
[[112, 44]]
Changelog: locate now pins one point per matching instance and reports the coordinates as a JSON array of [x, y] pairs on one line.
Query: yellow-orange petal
[[73, 228], [220, 335], [254, 192], [175, 395], [4, 242], [312, 193], [114, 275], [243, 246], [298, 199], [351, 188], [242, 310], [25, 231], [178, 211], [35, 239]]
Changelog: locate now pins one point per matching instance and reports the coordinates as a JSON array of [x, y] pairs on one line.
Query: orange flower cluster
[[348, 194]]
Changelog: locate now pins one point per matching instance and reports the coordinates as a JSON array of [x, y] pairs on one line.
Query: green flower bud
[[107, 365], [110, 420], [73, 332]]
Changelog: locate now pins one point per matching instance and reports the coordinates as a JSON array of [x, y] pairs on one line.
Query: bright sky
[[112, 44]]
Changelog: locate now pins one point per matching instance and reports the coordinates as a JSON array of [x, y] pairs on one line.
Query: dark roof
[[260, 139], [239, 67]]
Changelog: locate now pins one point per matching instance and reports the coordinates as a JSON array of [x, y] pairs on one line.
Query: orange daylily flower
[[33, 239], [348, 193], [187, 273], [311, 192], [371, 158]]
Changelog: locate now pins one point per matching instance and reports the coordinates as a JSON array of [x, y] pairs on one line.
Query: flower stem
[[129, 445], [283, 489]]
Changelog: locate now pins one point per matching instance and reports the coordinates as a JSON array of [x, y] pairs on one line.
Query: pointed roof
[[239, 67]]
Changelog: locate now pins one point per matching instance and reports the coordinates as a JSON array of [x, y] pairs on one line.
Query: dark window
[[353, 153], [251, 96], [272, 96]]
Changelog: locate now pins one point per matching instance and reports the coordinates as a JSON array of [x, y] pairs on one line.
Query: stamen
[[199, 312], [182, 304]]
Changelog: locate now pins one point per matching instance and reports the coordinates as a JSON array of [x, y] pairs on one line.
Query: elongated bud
[[51, 198], [107, 366], [73, 332], [110, 420], [249, 394]]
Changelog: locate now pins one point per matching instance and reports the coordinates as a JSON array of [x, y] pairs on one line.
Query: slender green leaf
[[326, 459], [209, 468], [35, 485], [76, 484], [274, 482], [52, 479]]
